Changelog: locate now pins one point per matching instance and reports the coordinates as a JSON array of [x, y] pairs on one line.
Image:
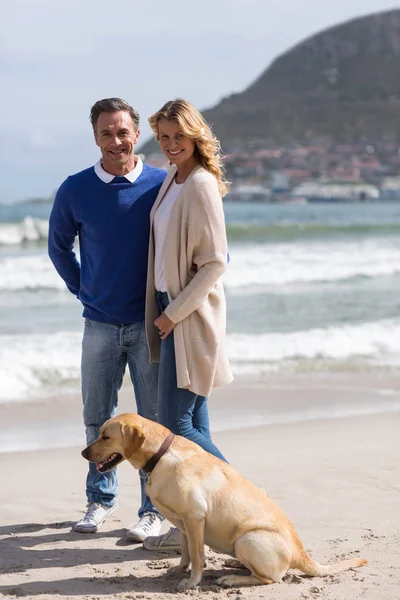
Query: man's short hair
[[111, 105]]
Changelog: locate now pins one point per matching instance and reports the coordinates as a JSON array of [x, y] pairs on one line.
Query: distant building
[[249, 193], [315, 191], [345, 174], [296, 176], [390, 188], [279, 182]]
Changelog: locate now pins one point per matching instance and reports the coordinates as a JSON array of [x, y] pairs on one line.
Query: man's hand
[[164, 325]]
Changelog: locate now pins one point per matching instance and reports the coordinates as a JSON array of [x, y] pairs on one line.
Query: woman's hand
[[164, 325]]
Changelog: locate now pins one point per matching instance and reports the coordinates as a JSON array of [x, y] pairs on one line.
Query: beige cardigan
[[196, 235]]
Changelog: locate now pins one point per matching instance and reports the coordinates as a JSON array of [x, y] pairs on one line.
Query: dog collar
[[149, 466]]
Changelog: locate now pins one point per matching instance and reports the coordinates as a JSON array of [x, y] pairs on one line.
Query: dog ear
[[132, 439]]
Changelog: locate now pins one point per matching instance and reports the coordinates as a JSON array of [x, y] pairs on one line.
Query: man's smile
[[117, 152]]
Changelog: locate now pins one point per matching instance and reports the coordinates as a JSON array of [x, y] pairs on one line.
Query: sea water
[[311, 288]]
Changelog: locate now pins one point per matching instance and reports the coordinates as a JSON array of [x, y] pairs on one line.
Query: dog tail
[[306, 564]]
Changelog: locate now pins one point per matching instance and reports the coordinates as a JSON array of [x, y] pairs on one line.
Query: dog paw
[[233, 563], [226, 581], [187, 584], [178, 569]]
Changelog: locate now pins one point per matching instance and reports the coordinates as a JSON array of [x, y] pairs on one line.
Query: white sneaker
[[148, 524], [95, 515], [168, 542]]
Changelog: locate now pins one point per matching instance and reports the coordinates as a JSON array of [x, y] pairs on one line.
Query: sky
[[57, 57]]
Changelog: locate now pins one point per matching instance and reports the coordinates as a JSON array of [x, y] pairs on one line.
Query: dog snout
[[85, 453]]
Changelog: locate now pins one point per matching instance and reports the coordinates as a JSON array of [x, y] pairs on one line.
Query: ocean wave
[[293, 231], [34, 231], [377, 341], [29, 231], [31, 363], [29, 272], [260, 265], [251, 267]]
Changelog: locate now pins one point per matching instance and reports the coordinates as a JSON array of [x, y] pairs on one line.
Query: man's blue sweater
[[112, 222]]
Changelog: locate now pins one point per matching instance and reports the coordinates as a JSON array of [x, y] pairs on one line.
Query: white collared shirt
[[107, 177]]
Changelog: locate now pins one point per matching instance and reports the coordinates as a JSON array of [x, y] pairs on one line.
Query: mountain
[[340, 84]]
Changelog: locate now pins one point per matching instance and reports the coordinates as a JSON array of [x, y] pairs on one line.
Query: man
[[107, 206]]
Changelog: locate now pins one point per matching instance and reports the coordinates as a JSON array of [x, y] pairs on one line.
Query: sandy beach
[[337, 479]]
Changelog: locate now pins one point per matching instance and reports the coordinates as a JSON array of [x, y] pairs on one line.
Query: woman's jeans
[[106, 350], [183, 412]]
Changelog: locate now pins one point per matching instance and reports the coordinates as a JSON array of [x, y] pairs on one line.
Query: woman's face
[[177, 147]]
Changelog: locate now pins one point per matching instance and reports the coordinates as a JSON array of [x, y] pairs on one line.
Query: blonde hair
[[193, 126]]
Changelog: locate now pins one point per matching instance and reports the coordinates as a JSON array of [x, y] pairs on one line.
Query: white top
[[107, 177], [160, 227]]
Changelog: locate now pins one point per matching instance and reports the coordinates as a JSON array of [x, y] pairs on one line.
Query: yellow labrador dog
[[210, 503]]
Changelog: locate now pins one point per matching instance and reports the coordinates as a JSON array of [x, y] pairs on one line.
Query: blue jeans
[[106, 350], [183, 412]]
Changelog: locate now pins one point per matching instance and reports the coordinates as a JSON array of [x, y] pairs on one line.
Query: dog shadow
[[24, 547], [110, 586]]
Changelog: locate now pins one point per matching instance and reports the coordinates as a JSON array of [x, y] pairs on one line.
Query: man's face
[[116, 137]]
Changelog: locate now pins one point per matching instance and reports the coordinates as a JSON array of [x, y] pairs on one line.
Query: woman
[[185, 302]]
